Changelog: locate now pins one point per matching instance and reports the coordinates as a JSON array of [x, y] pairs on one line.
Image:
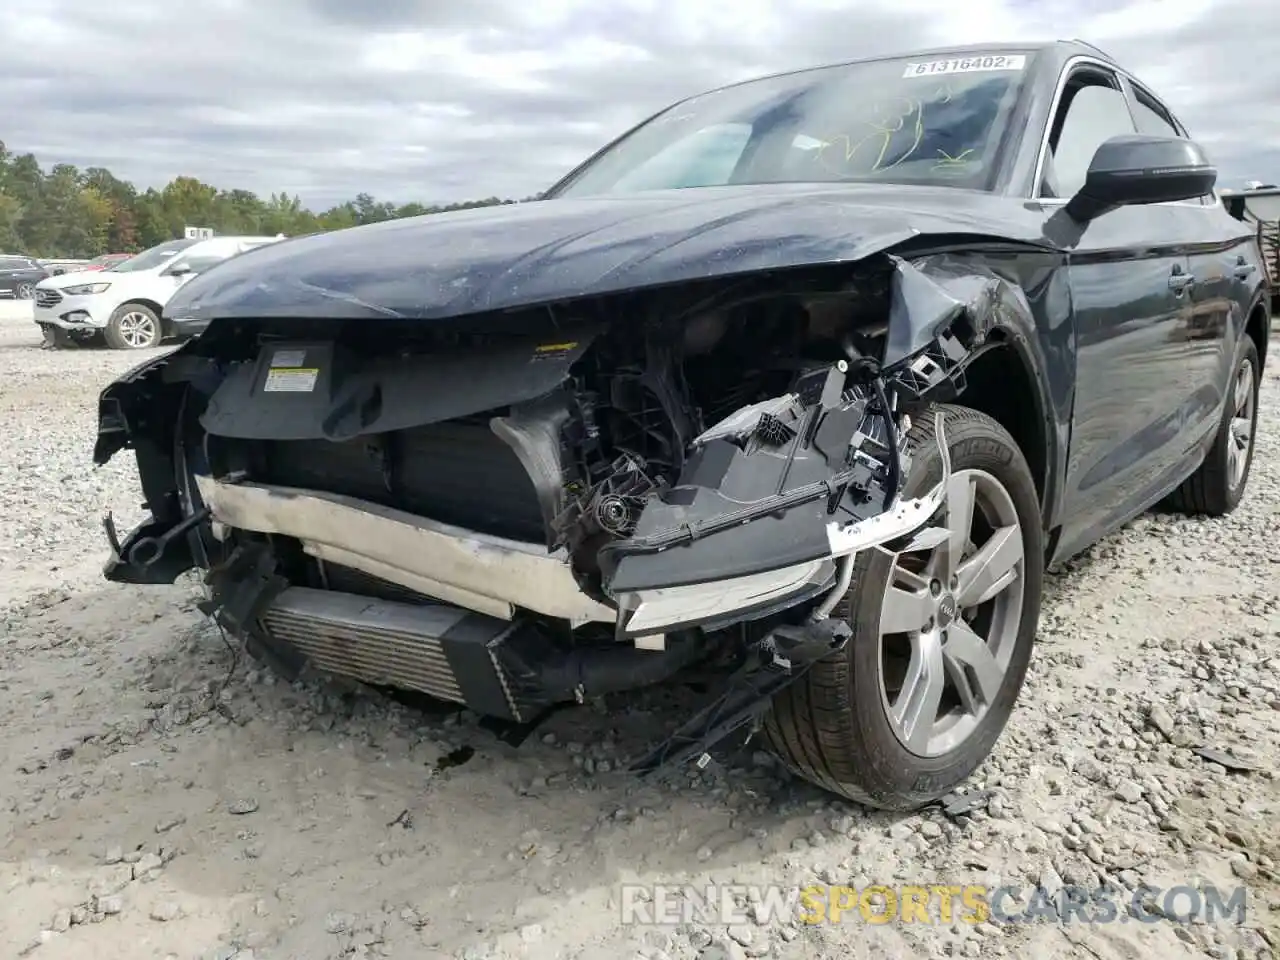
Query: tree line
[[73, 213]]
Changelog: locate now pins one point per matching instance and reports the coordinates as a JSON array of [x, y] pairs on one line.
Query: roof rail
[[1094, 47]]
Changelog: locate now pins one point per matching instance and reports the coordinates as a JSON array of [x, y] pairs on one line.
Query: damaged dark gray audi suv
[[805, 380]]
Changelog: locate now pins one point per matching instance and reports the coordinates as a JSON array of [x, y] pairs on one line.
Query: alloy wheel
[[1241, 426], [950, 617], [25, 291], [137, 329]]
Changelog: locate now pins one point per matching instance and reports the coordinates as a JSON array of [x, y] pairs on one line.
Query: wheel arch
[[1001, 382], [152, 305], [1258, 329], [1013, 294]]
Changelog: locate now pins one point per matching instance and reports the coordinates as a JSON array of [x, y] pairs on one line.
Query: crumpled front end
[[585, 499]]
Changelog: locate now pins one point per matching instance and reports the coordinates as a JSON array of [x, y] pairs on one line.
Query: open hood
[[495, 258]]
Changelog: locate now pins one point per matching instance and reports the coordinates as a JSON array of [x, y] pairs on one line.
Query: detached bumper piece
[[155, 552], [783, 658]]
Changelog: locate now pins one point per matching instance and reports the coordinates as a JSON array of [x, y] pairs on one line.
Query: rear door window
[[1152, 116]]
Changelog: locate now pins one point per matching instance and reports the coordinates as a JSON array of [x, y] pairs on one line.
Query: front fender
[[932, 292]]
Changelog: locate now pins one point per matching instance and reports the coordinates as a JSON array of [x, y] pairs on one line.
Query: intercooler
[[436, 649]]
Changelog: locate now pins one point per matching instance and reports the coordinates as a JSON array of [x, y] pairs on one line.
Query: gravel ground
[[160, 798]]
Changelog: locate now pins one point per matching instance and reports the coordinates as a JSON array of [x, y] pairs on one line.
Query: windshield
[[929, 121], [155, 257]]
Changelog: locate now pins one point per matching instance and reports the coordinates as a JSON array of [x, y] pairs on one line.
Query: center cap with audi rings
[[947, 610]]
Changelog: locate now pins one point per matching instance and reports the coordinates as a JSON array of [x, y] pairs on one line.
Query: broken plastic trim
[[656, 611], [653, 611], [905, 517]]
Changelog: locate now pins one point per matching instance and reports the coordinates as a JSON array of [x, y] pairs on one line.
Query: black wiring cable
[[891, 436]]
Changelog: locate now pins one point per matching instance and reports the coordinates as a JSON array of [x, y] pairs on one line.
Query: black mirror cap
[[1136, 169]]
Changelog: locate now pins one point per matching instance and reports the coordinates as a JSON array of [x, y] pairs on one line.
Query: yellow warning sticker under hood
[[291, 380]]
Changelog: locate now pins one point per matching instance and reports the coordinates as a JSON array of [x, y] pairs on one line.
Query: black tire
[[128, 318], [831, 726], [1211, 490], [25, 290]]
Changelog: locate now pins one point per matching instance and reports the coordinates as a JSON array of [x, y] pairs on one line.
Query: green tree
[[67, 212]]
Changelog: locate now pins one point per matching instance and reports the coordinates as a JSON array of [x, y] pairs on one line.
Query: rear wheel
[[25, 291], [942, 635], [132, 327], [1217, 487]]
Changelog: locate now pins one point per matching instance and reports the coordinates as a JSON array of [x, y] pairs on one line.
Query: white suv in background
[[124, 303]]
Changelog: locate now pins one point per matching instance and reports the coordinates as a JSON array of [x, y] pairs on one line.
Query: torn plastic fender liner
[[123, 405]]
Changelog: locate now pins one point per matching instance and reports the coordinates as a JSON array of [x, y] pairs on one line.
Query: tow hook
[[148, 550]]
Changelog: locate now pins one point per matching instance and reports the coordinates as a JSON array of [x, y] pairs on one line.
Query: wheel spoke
[[1244, 388], [936, 580], [972, 667], [960, 495], [1241, 428], [916, 709], [991, 569], [905, 610]]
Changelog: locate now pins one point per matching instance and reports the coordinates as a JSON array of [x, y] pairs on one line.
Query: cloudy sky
[[455, 99]]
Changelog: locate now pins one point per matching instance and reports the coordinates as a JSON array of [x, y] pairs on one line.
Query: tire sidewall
[[112, 331], [1246, 351], [974, 444]]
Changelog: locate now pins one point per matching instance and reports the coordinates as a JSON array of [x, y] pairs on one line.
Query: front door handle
[[1245, 270], [1180, 281]]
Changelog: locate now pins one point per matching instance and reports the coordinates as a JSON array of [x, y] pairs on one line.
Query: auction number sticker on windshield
[[978, 64], [291, 380]]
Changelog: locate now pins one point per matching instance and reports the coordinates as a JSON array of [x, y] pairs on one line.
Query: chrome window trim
[[1082, 60]]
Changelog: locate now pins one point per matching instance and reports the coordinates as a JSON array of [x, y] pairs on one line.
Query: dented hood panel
[[502, 257]]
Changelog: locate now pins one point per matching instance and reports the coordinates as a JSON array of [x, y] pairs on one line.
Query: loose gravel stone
[[165, 911]]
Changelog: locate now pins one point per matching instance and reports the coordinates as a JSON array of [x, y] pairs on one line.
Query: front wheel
[[941, 636], [25, 291], [132, 327]]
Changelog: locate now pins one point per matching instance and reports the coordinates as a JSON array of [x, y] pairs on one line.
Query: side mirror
[[1138, 169], [178, 270]]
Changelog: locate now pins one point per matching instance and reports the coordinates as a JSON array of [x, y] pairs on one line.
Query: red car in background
[[106, 261]]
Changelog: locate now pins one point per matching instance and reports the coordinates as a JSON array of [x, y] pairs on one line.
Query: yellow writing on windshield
[[888, 120]]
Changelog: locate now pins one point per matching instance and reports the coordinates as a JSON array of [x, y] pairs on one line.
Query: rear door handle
[[1180, 281], [1245, 270]]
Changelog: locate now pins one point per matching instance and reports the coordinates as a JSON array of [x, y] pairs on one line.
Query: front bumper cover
[[73, 314]]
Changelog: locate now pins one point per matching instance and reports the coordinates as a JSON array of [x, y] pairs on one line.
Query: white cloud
[[415, 99]]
